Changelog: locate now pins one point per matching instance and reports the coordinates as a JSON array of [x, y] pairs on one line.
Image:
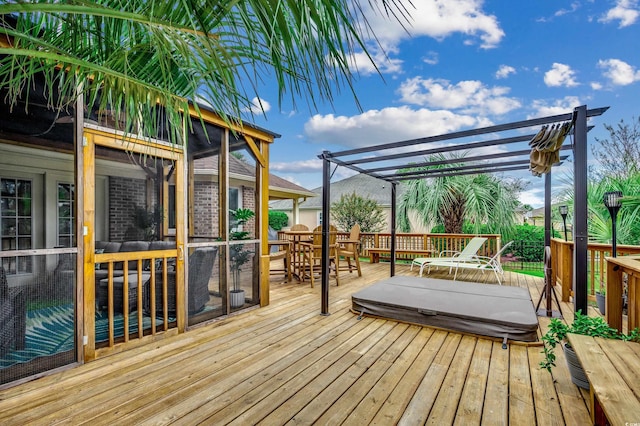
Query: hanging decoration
[[545, 147]]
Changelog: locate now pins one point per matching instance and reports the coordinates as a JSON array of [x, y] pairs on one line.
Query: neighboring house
[[309, 211], [242, 182], [536, 218]]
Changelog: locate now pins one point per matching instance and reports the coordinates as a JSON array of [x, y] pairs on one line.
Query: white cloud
[[574, 6], [625, 11], [440, 19], [504, 71], [559, 106], [258, 106], [386, 64], [387, 125], [596, 85], [431, 58], [560, 75], [470, 96], [302, 166], [619, 72], [534, 196]]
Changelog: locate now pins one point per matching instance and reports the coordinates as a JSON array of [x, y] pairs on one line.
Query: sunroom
[[111, 240]]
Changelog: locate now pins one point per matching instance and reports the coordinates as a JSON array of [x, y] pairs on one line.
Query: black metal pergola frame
[[360, 157]]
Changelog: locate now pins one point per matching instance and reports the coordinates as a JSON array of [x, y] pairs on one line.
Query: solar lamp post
[[612, 200], [564, 211]]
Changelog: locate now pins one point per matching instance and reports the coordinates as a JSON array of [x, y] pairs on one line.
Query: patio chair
[[201, 263], [13, 316], [483, 263], [283, 253], [468, 254], [312, 255], [348, 249]]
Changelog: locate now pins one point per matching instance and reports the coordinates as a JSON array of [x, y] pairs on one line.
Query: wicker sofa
[[118, 272], [13, 316], [201, 263]]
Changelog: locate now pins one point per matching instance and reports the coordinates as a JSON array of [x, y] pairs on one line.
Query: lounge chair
[[486, 263], [481, 263], [449, 257]]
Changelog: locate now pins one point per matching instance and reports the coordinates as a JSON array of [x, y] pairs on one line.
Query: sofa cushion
[[128, 246], [108, 246], [104, 273], [162, 245]]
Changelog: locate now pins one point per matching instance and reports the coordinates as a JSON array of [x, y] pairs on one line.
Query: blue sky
[[466, 64]]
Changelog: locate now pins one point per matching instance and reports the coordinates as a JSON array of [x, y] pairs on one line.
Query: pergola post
[[326, 183], [547, 209], [393, 229], [580, 235]]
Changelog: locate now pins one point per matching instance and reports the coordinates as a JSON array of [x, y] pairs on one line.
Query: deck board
[[286, 364]]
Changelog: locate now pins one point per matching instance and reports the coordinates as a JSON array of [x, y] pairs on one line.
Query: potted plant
[[238, 254], [582, 324]]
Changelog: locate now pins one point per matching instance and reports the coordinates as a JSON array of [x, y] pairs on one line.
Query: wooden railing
[[410, 241], [562, 265], [151, 267], [623, 270]]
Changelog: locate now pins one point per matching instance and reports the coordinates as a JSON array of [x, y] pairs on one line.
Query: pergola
[[390, 163]]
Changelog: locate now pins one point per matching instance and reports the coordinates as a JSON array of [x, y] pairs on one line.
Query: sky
[[465, 64]]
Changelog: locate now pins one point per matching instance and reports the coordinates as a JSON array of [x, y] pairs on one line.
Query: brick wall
[[205, 207], [124, 195], [249, 202]]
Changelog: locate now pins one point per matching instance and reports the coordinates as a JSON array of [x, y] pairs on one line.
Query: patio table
[[296, 237]]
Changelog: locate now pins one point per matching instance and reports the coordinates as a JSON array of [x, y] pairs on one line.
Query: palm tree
[[130, 55], [453, 200], [599, 219]]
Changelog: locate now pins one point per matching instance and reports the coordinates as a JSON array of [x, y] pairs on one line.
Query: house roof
[[279, 188], [363, 185]]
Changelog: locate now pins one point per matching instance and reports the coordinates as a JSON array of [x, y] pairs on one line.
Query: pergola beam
[[579, 118], [466, 133]]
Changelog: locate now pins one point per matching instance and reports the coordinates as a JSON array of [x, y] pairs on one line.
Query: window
[[15, 223], [319, 218], [235, 202], [66, 226]]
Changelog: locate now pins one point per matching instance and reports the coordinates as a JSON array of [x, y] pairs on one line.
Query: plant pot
[[602, 302], [578, 376], [236, 298]]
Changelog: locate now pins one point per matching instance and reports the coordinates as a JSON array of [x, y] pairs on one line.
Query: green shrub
[[278, 219]]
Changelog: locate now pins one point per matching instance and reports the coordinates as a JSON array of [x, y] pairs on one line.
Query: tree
[[619, 156], [128, 56], [353, 209], [599, 219], [278, 219], [452, 200]]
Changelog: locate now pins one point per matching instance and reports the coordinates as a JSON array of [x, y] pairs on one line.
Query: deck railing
[[435, 242], [562, 265], [623, 272], [416, 241]]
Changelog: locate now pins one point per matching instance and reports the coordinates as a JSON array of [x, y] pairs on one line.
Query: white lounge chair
[[481, 263], [486, 263], [446, 257]]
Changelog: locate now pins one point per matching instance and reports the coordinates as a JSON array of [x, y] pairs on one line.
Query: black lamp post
[[611, 200], [564, 211]]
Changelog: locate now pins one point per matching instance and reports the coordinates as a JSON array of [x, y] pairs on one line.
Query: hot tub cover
[[483, 309]]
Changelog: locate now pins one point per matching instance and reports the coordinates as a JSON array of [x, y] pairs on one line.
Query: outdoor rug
[[51, 331]]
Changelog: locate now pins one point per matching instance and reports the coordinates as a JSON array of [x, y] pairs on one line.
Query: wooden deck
[[287, 364]]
